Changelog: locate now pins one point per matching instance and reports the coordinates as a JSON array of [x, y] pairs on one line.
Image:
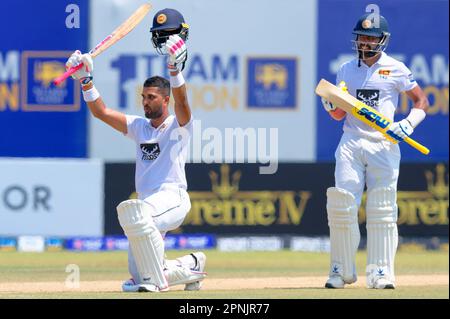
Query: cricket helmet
[[374, 25], [167, 22]]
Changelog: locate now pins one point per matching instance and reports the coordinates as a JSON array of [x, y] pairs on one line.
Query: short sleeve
[[134, 124], [340, 75], [189, 125], [405, 80]]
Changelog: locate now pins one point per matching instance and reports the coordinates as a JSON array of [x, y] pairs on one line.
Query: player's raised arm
[[177, 52], [95, 103]]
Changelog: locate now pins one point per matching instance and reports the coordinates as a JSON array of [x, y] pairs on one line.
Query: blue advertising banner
[[271, 82], [38, 119], [419, 38]]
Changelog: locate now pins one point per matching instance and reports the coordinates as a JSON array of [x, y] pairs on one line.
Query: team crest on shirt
[[369, 97], [384, 73], [150, 151]]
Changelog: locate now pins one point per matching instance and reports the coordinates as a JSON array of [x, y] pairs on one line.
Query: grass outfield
[[283, 274]]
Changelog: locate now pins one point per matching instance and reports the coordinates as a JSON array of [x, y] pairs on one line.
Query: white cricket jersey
[[160, 153], [378, 86]]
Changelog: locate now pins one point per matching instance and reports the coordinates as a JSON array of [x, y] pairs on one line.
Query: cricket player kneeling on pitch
[[161, 149], [365, 157]]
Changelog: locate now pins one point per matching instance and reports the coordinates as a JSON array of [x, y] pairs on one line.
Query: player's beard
[[154, 114], [365, 51]]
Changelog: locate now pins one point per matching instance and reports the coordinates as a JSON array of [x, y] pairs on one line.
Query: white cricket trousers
[[170, 206], [362, 161]]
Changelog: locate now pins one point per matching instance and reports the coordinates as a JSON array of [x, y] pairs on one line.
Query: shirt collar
[[381, 61]]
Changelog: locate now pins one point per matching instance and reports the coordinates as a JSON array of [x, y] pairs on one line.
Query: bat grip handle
[[66, 74]]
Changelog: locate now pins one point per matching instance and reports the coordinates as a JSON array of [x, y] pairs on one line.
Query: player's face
[[153, 102], [367, 43]]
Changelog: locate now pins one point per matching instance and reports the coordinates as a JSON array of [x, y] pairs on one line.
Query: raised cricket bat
[[115, 36], [362, 112]]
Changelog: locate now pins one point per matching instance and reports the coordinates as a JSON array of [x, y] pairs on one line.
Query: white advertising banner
[[51, 197], [250, 71]]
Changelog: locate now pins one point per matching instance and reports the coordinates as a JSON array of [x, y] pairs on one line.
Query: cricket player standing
[[161, 146], [365, 157]]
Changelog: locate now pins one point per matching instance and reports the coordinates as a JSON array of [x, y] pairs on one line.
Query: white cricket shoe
[[131, 286], [383, 283], [200, 258], [335, 282]]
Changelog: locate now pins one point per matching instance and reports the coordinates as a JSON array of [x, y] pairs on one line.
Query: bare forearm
[[97, 107], [182, 109], [421, 103], [99, 110]]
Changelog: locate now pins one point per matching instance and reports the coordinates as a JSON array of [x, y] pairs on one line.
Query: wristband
[[177, 80], [416, 116], [91, 95]]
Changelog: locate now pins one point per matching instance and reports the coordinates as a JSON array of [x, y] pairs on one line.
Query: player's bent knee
[[146, 243], [135, 217]]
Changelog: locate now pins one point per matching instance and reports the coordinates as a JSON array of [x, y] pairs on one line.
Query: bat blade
[[122, 30], [115, 36], [362, 112]]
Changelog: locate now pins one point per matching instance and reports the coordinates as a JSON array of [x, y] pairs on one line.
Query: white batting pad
[[382, 234], [180, 274], [344, 233], [146, 243]]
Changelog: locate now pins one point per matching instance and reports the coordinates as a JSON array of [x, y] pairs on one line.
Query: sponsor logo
[[39, 68], [368, 97], [150, 151], [335, 269], [272, 83], [226, 205], [372, 117]]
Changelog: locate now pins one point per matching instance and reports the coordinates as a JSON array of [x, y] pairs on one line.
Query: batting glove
[[402, 129], [177, 51], [327, 105], [75, 59]]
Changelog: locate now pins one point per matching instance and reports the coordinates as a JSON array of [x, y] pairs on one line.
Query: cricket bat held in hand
[[362, 112], [115, 36]]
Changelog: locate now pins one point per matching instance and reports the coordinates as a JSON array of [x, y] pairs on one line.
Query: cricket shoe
[[337, 282], [383, 283], [200, 259], [131, 286]]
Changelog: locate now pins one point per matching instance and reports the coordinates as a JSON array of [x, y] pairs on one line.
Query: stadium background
[[62, 172]]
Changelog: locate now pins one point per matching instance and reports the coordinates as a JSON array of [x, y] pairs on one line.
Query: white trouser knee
[[146, 243], [382, 234], [344, 233]]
